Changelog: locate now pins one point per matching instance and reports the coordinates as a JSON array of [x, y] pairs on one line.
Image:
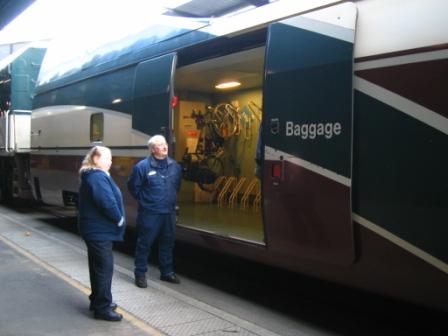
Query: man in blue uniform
[[154, 183]]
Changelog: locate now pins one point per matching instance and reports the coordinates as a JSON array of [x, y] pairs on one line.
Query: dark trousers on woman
[[101, 268]]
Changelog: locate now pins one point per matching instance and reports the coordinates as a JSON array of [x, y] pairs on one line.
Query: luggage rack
[[231, 191]]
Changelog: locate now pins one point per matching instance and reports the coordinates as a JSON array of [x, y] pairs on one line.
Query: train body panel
[[346, 101], [18, 75], [308, 135]]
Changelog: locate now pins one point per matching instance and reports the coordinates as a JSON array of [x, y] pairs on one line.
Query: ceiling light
[[227, 85]]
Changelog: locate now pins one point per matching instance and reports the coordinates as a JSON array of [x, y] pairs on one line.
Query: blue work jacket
[[100, 207], [155, 184]]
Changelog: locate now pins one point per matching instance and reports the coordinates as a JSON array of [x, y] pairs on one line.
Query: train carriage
[[343, 100]]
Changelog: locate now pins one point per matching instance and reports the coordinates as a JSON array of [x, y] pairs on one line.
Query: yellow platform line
[[145, 327]]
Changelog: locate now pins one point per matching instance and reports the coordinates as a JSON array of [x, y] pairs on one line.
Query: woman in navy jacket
[[100, 222]]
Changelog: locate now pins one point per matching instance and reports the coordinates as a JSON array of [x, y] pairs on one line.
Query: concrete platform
[[45, 283], [35, 301]]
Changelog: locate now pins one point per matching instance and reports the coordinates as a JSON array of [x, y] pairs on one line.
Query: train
[[324, 153]]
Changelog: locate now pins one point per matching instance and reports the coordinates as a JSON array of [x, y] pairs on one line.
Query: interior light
[[116, 101], [227, 85]]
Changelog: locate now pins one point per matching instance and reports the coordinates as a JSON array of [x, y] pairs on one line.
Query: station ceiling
[[207, 8], [10, 9]]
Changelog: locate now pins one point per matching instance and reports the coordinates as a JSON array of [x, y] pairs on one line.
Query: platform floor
[[35, 301], [45, 284]]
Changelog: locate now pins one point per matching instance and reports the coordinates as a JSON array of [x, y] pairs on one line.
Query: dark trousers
[[101, 268], [151, 227]]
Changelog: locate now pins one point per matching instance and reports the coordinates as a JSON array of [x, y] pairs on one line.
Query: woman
[[100, 222]]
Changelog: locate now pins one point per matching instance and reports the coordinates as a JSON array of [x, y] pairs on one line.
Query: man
[[154, 183]]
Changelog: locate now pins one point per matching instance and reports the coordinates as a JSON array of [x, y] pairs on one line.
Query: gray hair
[[155, 140]]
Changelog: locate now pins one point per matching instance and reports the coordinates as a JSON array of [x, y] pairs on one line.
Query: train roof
[[75, 57], [94, 50]]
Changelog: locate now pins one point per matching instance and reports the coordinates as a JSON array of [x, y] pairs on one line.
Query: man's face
[[160, 150]]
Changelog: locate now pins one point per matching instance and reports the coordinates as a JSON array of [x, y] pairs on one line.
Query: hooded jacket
[[100, 207]]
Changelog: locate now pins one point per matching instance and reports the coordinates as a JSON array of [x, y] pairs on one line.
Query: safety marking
[[127, 316], [274, 154], [402, 243], [402, 104]]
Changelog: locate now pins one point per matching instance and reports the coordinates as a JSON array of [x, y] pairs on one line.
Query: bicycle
[[204, 170], [226, 120], [205, 164]]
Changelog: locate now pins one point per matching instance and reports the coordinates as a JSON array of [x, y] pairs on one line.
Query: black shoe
[[112, 306], [108, 315], [170, 278], [141, 282]]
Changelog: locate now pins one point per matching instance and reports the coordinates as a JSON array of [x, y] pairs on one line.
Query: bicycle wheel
[[215, 165], [210, 169], [225, 120]]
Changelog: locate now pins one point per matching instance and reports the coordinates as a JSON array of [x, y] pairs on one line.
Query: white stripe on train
[[274, 154], [401, 243], [402, 104]]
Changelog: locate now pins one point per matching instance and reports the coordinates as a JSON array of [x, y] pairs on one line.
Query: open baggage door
[[307, 135], [153, 90]]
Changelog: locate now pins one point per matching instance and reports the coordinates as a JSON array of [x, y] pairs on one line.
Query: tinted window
[[96, 127]]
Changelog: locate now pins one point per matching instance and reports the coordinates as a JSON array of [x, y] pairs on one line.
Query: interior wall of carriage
[[217, 131]]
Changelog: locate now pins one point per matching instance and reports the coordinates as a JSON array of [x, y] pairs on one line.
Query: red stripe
[[424, 83]]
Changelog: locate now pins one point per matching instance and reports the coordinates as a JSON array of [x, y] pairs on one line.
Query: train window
[[96, 127]]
